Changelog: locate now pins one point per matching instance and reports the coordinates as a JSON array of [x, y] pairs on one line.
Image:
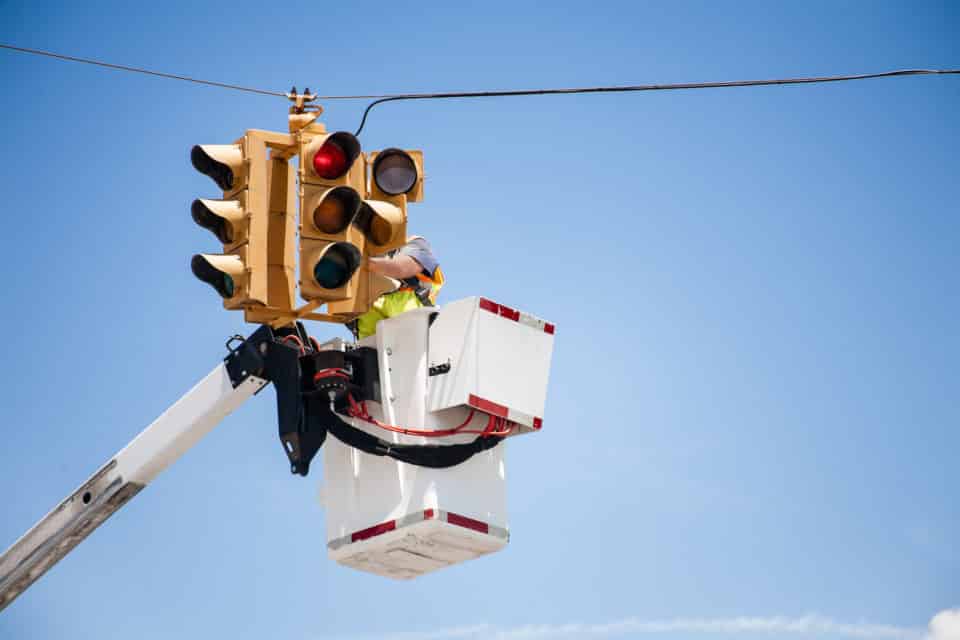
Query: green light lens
[[331, 271], [337, 265], [227, 288]]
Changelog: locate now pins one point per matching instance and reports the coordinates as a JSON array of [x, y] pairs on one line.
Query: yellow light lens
[[380, 231], [331, 216]]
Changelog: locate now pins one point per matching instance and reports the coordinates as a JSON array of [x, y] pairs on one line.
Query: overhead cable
[[122, 67], [639, 87], [381, 98]]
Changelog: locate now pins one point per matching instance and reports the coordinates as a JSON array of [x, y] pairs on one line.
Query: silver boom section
[[180, 427]]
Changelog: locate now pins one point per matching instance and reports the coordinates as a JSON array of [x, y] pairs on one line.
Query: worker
[[418, 271]]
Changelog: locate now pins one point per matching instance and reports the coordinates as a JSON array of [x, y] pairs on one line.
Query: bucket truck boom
[[158, 446]]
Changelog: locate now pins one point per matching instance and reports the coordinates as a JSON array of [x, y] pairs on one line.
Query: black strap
[[423, 455], [420, 289], [423, 294]]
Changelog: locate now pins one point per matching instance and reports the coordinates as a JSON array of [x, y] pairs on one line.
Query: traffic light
[[382, 219], [239, 221], [396, 176], [381, 226], [331, 246], [340, 228]]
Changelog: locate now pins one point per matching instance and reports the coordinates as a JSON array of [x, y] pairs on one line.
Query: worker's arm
[[399, 267]]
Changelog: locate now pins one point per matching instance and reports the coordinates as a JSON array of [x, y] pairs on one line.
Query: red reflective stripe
[[375, 530], [487, 407], [428, 514], [468, 523], [499, 309], [510, 314], [489, 305], [537, 423]]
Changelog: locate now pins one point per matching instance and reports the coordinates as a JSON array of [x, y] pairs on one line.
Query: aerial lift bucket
[[437, 367]]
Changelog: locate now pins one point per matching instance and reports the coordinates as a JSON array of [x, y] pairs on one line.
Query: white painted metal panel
[[183, 424], [513, 363], [453, 341], [492, 357]]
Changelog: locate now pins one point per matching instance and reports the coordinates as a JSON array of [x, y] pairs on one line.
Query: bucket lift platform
[[437, 366]]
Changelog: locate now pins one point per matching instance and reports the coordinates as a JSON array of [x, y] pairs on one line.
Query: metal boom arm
[[180, 427]]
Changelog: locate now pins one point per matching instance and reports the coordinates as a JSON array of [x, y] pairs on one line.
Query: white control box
[[498, 359]]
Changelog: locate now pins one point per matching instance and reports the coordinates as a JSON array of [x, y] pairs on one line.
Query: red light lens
[[330, 161]]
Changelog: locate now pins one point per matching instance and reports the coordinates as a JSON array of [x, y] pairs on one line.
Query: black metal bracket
[[304, 388], [246, 358], [439, 369], [312, 387], [267, 355]]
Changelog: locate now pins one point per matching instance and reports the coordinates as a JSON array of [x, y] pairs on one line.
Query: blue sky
[[753, 407]]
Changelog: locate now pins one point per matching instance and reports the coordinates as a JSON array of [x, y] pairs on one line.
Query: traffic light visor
[[335, 156], [221, 162], [394, 171], [382, 223], [220, 217], [336, 210], [337, 264], [220, 272]]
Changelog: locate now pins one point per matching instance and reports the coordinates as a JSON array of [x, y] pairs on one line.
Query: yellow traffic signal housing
[[331, 247], [227, 274], [239, 221], [223, 163], [396, 177], [383, 224], [346, 216], [226, 219]]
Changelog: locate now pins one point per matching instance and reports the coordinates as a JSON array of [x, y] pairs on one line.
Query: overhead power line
[[640, 87], [122, 67], [381, 98]]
